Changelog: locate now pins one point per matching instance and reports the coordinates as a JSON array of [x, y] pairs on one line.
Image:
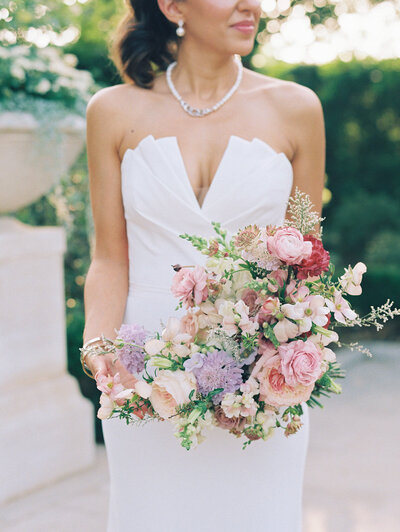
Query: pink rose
[[274, 389], [171, 388], [288, 245], [190, 285], [301, 362]]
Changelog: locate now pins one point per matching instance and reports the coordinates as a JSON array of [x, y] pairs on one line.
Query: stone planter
[[31, 164]]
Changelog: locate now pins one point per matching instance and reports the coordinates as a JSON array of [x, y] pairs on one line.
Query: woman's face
[[216, 23]]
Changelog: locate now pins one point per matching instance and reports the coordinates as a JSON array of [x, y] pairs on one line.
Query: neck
[[203, 77]]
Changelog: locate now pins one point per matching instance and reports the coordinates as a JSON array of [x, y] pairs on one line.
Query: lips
[[245, 26]]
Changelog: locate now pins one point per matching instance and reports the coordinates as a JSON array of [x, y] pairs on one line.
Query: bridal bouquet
[[254, 342]]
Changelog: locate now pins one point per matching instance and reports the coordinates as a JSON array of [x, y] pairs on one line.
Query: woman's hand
[[109, 364]]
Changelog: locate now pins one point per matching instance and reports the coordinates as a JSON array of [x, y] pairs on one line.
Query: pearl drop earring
[[180, 31]]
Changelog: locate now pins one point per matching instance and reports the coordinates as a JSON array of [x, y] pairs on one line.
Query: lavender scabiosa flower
[[132, 357], [219, 370]]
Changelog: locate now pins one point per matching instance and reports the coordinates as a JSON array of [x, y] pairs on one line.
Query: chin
[[244, 49]]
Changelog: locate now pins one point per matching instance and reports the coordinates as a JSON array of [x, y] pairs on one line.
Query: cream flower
[[351, 279], [225, 309], [173, 340]]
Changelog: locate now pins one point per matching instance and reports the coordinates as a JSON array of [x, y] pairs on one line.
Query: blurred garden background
[[55, 54]]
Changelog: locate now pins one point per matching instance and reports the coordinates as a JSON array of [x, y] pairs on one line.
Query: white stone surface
[[352, 471], [46, 426], [31, 163]]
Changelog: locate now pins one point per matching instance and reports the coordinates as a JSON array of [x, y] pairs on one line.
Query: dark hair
[[145, 41]]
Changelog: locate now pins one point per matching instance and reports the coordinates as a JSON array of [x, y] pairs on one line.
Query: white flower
[[317, 310], [154, 346], [245, 323], [143, 388], [226, 310], [107, 406], [43, 86], [298, 312], [324, 339], [266, 419], [208, 315], [240, 278], [340, 307], [173, 340], [285, 329], [17, 72], [351, 279], [219, 265]]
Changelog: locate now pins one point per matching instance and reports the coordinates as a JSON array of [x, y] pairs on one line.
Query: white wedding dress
[[157, 485]]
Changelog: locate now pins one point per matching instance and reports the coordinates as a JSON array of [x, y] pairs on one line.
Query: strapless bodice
[[251, 185]]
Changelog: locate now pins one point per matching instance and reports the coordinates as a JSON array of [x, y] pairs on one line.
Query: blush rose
[[288, 245], [301, 362]]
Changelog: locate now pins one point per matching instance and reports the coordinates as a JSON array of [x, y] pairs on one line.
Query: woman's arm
[[106, 285], [309, 145]]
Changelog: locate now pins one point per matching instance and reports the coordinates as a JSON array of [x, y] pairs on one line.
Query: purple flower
[[195, 361], [132, 357], [219, 370]]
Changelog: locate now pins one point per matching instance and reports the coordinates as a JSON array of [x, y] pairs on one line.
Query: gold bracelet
[[89, 349], [86, 369]]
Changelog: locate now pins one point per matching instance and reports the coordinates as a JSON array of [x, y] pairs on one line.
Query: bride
[[190, 137]]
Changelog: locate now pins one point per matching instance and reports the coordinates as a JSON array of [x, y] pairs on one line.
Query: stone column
[[46, 425]]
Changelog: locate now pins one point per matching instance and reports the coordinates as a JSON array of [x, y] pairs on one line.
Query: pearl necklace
[[195, 111]]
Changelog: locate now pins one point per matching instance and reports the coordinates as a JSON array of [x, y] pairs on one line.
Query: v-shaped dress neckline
[[215, 181], [188, 183]]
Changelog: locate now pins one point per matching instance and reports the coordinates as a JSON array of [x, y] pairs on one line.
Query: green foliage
[[384, 249], [326, 385], [44, 74]]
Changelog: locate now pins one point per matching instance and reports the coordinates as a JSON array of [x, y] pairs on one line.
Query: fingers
[[98, 365], [127, 379]]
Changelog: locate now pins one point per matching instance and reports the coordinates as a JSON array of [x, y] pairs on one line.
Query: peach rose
[[288, 245], [170, 389], [274, 389]]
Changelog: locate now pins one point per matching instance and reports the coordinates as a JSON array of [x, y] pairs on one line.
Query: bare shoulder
[[113, 98], [109, 106], [289, 96]]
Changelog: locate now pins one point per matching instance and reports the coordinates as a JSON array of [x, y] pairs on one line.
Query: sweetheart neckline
[[217, 172]]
